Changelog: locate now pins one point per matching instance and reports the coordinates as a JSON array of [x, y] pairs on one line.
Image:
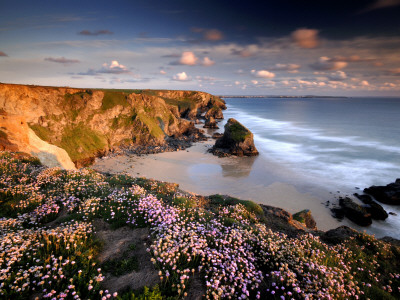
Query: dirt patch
[[197, 289], [115, 244]]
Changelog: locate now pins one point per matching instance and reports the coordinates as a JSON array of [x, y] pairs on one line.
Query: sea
[[341, 145]]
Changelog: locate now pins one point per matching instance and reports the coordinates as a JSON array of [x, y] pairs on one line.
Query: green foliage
[[238, 132], [298, 217], [81, 142], [42, 132], [184, 202], [121, 180], [151, 125], [121, 266], [112, 99], [249, 205], [145, 294], [182, 104], [122, 121]]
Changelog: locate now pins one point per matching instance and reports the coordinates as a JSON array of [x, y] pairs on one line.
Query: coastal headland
[[73, 232]]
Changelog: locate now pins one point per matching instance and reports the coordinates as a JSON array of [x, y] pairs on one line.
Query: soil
[[115, 243]]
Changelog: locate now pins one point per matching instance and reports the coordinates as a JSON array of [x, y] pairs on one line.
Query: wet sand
[[200, 172]]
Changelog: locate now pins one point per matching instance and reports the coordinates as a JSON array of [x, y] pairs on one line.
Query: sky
[[224, 47]]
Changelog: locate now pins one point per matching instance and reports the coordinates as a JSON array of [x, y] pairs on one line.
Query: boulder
[[306, 218], [211, 123], [389, 194], [217, 135], [339, 235], [215, 112], [355, 212], [376, 210], [237, 140]]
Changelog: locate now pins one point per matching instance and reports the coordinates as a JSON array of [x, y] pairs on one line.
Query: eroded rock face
[[389, 194], [17, 136], [88, 123], [237, 140], [211, 123], [376, 210]]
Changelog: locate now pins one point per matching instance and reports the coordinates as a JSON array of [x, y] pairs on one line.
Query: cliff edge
[[87, 123]]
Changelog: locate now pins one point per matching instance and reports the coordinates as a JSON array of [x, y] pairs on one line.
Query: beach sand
[[197, 171]]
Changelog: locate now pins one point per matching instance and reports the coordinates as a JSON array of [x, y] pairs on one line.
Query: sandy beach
[[197, 171]]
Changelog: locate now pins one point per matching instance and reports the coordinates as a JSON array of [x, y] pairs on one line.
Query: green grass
[[249, 205], [82, 142], [112, 99], [44, 133], [239, 132], [121, 266], [152, 126], [182, 104]]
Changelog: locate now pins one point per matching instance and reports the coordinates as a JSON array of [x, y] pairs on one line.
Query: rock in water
[[389, 194], [306, 218], [237, 140], [355, 212], [376, 210], [211, 123]]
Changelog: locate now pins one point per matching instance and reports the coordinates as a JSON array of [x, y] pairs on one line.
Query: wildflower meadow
[[49, 250]]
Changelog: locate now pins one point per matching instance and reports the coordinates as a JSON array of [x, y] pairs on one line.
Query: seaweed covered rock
[[237, 140], [306, 218], [389, 194]]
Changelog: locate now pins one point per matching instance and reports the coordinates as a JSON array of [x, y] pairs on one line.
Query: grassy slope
[[204, 236]]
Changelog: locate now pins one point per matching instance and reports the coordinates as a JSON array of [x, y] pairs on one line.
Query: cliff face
[[89, 122]]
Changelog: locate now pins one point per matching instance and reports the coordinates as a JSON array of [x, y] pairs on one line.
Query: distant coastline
[[277, 96]]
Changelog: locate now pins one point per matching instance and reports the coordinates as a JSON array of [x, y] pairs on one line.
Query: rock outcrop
[[87, 123], [376, 210], [211, 123], [237, 140], [17, 136], [389, 194], [306, 218], [355, 212]]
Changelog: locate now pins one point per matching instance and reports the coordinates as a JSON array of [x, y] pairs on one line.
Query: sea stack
[[237, 140]]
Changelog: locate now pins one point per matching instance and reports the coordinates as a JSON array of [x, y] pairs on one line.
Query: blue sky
[[223, 47]]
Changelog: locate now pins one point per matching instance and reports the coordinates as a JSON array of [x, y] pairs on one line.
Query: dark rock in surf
[[355, 212], [376, 210], [211, 123], [389, 194]]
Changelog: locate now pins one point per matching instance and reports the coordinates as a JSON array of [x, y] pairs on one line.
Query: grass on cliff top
[[82, 142], [43, 133], [238, 132], [112, 99], [224, 247], [151, 125]]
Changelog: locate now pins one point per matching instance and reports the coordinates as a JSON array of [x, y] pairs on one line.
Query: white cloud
[[254, 81], [305, 38], [114, 68], [325, 63], [181, 77], [263, 74], [188, 58], [285, 67], [338, 75], [364, 83], [163, 72], [207, 62]]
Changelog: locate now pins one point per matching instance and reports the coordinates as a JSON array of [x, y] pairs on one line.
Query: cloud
[[263, 74], [2, 53], [364, 83], [207, 62], [254, 81], [62, 60], [181, 77], [213, 35], [114, 68], [285, 67], [380, 4], [187, 58], [250, 50], [208, 34], [395, 71], [337, 76], [305, 38], [326, 64], [162, 72], [95, 33]]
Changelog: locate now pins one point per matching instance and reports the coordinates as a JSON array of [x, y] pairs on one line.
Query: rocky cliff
[[89, 122]]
